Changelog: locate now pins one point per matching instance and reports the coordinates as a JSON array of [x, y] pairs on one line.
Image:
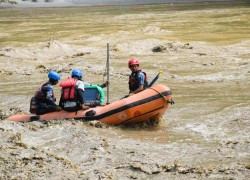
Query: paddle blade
[[155, 79]]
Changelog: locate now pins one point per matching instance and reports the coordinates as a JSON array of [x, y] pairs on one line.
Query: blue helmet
[[54, 75], [76, 73]]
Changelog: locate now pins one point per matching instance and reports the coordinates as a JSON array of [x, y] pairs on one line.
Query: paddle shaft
[[108, 73]]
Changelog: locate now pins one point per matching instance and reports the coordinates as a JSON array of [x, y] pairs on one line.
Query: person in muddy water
[[44, 96], [72, 96], [138, 79]]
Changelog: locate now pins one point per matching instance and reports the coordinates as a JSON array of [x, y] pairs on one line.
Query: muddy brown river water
[[203, 50]]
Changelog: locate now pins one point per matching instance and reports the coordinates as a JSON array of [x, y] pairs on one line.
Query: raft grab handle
[[171, 101]]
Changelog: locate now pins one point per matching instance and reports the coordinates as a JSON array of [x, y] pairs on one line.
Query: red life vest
[[134, 81], [68, 89]]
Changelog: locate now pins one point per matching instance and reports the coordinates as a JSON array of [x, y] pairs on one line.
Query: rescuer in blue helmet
[[73, 88], [44, 96]]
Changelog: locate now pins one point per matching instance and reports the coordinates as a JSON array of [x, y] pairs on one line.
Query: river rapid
[[203, 50]]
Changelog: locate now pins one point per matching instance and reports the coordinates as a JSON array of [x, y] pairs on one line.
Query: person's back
[[44, 96], [72, 92]]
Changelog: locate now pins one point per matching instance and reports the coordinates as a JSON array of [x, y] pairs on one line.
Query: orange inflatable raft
[[148, 104]]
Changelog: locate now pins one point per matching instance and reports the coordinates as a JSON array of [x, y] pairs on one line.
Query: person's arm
[[139, 89], [49, 95], [80, 95], [80, 91], [81, 100]]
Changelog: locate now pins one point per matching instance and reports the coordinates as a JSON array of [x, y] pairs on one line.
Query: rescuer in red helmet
[[138, 79]]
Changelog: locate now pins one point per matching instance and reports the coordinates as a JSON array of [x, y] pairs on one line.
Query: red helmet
[[133, 62]]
